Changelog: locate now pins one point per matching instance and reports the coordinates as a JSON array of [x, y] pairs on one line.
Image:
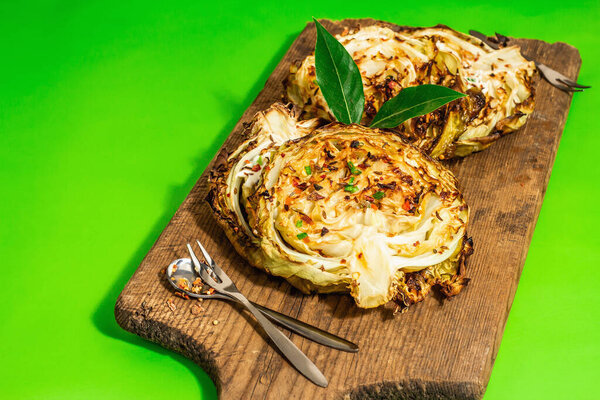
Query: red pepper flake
[[246, 161], [171, 305], [302, 186], [196, 309], [256, 168], [182, 295], [306, 219], [343, 261], [374, 206], [183, 284], [406, 206], [306, 240], [288, 201], [369, 198]]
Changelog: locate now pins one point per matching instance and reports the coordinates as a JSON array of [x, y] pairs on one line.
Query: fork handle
[[308, 331], [296, 357]]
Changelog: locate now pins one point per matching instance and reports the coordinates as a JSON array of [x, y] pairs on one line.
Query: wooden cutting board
[[437, 349]]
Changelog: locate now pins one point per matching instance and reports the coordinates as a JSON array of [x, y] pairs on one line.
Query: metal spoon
[[185, 270]]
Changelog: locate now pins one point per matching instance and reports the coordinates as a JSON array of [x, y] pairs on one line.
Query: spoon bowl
[[182, 271]]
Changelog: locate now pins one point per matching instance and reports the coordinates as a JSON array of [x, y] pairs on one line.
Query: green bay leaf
[[412, 102], [338, 78]]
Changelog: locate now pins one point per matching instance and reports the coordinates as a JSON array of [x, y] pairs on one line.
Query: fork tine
[[205, 253], [210, 261], [565, 88], [502, 40], [215, 269], [193, 256], [200, 269], [570, 83]]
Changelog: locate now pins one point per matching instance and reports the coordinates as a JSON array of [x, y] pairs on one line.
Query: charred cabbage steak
[[498, 84], [342, 208]]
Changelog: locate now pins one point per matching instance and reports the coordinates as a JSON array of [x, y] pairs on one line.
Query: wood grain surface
[[436, 350]]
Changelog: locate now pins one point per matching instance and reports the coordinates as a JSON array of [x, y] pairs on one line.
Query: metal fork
[[553, 77], [225, 286], [184, 268]]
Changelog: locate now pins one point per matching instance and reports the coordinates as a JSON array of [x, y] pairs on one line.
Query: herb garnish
[[413, 102], [353, 169], [351, 188], [340, 82], [338, 77]]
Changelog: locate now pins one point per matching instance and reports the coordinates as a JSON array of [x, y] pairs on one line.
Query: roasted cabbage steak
[[498, 84], [342, 208]]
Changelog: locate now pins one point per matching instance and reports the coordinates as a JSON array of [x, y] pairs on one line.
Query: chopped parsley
[[351, 188], [353, 169], [308, 170], [378, 195], [302, 235], [260, 160], [299, 223]]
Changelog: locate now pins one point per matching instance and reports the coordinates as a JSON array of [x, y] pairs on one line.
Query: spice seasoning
[[171, 305]]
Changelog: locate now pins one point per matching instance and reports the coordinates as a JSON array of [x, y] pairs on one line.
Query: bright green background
[[109, 113]]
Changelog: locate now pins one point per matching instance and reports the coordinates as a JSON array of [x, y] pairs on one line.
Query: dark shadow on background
[[103, 318]]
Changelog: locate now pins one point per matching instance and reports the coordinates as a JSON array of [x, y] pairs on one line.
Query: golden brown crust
[[498, 84], [415, 286], [393, 182]]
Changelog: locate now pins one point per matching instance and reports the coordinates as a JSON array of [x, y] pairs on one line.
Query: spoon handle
[[308, 331], [296, 357]]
